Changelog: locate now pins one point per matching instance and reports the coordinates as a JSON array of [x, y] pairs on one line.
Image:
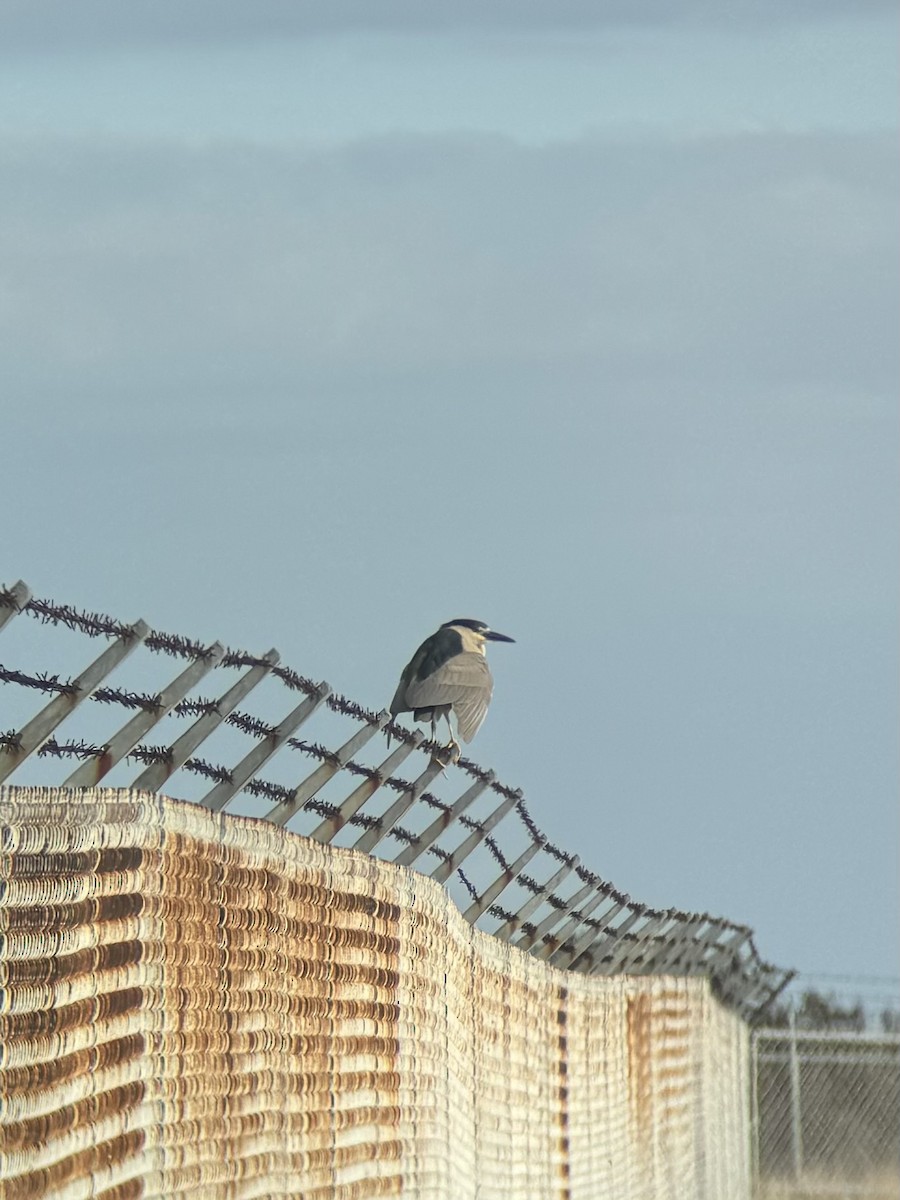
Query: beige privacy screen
[[206, 1006]]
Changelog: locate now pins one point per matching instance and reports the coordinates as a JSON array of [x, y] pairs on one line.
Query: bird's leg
[[444, 754], [452, 744]]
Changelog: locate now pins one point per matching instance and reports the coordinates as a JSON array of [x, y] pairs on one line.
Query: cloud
[[42, 25], [765, 256]]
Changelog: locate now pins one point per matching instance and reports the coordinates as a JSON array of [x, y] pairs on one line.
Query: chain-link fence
[[202, 1007], [826, 1112], [240, 731]]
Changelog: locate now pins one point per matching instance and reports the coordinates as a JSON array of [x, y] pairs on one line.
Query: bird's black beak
[[491, 636]]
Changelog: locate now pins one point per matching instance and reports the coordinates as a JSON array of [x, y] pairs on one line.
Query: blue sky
[[324, 324]]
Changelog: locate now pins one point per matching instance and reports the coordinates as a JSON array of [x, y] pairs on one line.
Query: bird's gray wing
[[434, 652], [464, 682]]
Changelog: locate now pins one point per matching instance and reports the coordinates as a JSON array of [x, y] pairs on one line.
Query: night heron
[[449, 671]]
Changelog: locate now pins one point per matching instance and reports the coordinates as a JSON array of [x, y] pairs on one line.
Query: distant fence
[[826, 1115], [454, 822]]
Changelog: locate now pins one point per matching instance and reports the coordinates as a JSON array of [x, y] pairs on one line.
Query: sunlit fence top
[[224, 732]]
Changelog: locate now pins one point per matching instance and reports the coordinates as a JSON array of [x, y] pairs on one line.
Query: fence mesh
[[827, 1114], [202, 1005]]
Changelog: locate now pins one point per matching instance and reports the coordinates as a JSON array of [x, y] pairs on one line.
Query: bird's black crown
[[468, 622]]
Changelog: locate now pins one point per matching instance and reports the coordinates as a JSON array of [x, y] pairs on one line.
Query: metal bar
[[796, 1114], [672, 937], [425, 840], [368, 840], [33, 735], [727, 949], [155, 775], [722, 956], [574, 922], [603, 939], [749, 992], [737, 939], [327, 828], [18, 596], [220, 795], [783, 978], [481, 905], [711, 943], [677, 941], [734, 988], [280, 814], [527, 940], [847, 1058], [754, 1116], [627, 950], [506, 931], [92, 770], [826, 1035], [558, 955], [721, 961], [446, 867]]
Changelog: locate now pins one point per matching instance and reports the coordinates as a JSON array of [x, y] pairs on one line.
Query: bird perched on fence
[[449, 672]]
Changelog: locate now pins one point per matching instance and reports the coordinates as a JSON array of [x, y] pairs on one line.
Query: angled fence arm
[[14, 601], [684, 934], [724, 954], [484, 902], [560, 956], [429, 836], [33, 735], [220, 795], [519, 918], [447, 866], [527, 940], [751, 994], [624, 951], [92, 771], [779, 981], [153, 776], [611, 937], [280, 814], [368, 840], [350, 806]]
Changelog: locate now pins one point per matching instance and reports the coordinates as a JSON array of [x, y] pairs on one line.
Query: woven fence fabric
[[205, 1006]]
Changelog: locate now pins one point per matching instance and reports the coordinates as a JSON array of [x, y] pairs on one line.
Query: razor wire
[[624, 936]]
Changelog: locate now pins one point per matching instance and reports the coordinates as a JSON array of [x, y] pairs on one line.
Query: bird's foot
[[447, 755]]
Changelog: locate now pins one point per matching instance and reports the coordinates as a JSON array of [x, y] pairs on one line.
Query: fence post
[[754, 1111], [796, 1115]]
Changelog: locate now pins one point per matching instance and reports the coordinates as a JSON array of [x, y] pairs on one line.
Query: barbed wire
[[42, 682]]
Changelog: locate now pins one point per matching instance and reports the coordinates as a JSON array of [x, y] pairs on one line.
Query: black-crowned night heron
[[449, 671]]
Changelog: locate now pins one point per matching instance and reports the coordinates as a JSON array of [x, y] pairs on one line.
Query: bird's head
[[475, 633]]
